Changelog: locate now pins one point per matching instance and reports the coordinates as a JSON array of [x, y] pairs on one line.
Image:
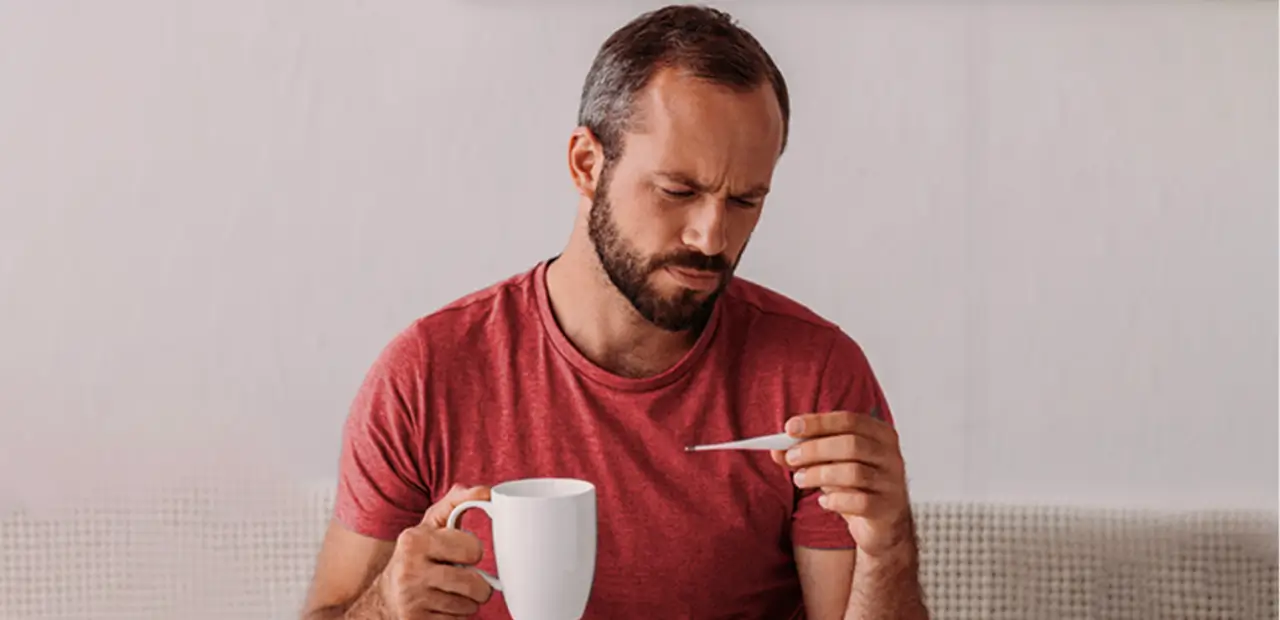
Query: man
[[603, 362]]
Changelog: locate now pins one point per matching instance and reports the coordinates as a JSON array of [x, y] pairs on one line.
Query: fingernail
[[823, 501], [793, 455], [795, 426], [798, 478]]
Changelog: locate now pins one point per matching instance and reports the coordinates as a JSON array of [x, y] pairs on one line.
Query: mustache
[[694, 260]]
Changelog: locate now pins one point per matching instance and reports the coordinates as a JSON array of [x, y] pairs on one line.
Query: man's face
[[672, 215]]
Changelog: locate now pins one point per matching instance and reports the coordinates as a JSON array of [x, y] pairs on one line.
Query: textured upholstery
[[216, 552], [1002, 562]]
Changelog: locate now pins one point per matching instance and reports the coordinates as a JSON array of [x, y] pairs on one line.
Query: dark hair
[[703, 41]]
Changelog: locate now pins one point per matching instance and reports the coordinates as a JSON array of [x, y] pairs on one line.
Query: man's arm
[[888, 586], [347, 568], [380, 490], [825, 579], [842, 583], [852, 465], [358, 577]]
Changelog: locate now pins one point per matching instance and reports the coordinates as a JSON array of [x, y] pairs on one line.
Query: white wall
[[1052, 228]]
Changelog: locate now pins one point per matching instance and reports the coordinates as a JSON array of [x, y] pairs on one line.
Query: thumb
[[438, 514], [780, 457]]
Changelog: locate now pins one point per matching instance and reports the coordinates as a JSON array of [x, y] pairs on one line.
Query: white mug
[[544, 543]]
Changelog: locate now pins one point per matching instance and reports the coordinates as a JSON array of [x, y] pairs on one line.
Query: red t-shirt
[[489, 389]]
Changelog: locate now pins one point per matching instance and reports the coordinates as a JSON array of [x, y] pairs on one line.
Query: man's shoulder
[[776, 309], [512, 298], [777, 329], [774, 324], [517, 288]]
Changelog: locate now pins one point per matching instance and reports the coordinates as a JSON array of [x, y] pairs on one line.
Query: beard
[[630, 271]]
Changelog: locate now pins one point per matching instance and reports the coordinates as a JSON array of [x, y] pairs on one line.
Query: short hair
[[702, 41]]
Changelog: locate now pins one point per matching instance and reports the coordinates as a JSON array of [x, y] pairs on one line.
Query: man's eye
[[677, 193], [743, 202]]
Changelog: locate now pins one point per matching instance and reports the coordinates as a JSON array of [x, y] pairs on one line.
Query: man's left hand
[[855, 460]]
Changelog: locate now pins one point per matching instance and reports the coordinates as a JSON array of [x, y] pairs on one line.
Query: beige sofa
[[245, 552]]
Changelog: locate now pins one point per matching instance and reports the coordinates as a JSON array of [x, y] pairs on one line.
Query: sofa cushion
[[246, 551]]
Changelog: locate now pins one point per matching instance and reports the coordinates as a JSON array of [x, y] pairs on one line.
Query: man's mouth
[[696, 278]]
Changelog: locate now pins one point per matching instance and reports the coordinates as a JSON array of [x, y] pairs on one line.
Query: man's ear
[[586, 160]]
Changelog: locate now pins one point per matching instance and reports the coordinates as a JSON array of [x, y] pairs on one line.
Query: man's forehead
[[753, 188], [688, 127]]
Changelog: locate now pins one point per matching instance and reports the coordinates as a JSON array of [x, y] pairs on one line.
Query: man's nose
[[705, 229]]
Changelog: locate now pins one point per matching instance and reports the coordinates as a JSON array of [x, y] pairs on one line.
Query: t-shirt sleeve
[[847, 384], [381, 489]]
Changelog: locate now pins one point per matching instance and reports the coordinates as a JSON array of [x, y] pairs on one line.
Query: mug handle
[[452, 523]]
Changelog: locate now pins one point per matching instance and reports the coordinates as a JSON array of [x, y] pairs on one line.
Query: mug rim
[[578, 488]]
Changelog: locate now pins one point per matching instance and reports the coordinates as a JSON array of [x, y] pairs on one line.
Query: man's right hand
[[421, 579]]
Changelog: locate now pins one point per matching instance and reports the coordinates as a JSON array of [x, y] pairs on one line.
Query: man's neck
[[602, 324]]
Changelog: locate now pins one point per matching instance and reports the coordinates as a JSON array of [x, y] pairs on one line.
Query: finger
[[779, 457], [841, 423], [438, 514], [841, 448], [858, 504], [857, 476], [434, 603], [454, 546], [464, 582]]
